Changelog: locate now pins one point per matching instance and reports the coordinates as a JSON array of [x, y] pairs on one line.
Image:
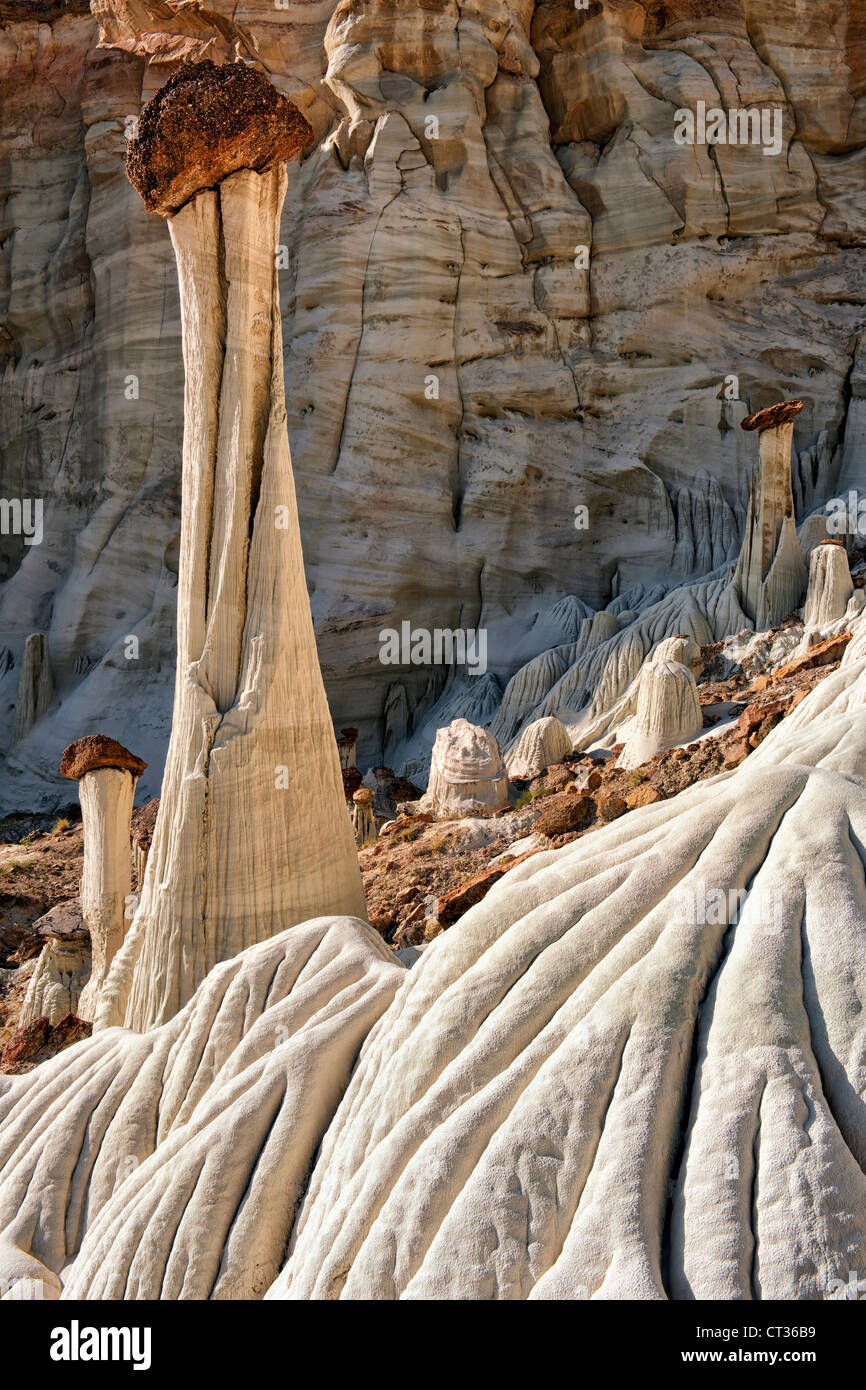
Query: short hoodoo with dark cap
[[106, 773], [771, 577]]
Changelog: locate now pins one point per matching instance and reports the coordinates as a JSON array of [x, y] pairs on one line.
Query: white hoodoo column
[[252, 834]]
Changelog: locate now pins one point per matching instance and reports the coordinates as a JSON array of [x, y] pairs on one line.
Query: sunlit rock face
[[457, 382], [467, 774]]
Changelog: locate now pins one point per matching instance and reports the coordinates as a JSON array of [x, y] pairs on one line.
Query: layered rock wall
[[458, 382]]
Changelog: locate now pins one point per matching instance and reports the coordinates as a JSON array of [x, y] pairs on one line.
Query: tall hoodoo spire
[[252, 834]]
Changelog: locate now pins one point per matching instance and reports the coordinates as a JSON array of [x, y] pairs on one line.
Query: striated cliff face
[[460, 373]]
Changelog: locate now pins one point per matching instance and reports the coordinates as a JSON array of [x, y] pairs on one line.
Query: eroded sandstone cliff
[[457, 382]]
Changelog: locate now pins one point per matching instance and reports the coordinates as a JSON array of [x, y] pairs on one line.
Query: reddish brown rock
[[757, 720], [552, 779], [563, 813], [38, 1041], [754, 724], [24, 1044], [96, 750], [773, 416], [822, 654], [404, 823], [558, 777], [352, 780], [144, 823], [459, 900], [411, 930], [611, 808], [207, 122], [644, 795], [43, 10], [735, 754], [383, 922], [68, 1031]]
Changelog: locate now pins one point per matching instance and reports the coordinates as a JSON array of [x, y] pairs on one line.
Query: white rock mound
[[169, 1164], [467, 773], [682, 649], [668, 712], [541, 744]]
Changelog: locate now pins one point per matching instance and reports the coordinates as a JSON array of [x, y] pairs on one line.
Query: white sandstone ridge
[[467, 773], [696, 1075], [241, 849], [539, 746], [668, 712], [169, 1164], [63, 967], [770, 576], [679, 1061], [107, 774], [589, 684]]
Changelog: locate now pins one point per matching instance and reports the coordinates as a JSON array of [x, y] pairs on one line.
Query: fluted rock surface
[[668, 712], [410, 254], [635, 1069], [106, 881], [35, 684], [63, 967], [830, 587], [241, 849], [770, 576], [540, 745], [467, 773], [169, 1164]]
